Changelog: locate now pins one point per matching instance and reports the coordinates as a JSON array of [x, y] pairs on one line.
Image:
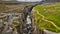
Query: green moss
[[51, 12]]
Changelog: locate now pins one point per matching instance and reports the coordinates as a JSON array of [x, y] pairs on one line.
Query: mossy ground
[[49, 13]]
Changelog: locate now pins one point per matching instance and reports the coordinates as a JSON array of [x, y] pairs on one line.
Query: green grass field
[[47, 16]]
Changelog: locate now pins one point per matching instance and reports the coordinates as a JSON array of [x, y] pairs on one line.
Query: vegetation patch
[[47, 16]]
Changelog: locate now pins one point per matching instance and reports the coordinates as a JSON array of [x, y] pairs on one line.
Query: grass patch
[[51, 12]]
